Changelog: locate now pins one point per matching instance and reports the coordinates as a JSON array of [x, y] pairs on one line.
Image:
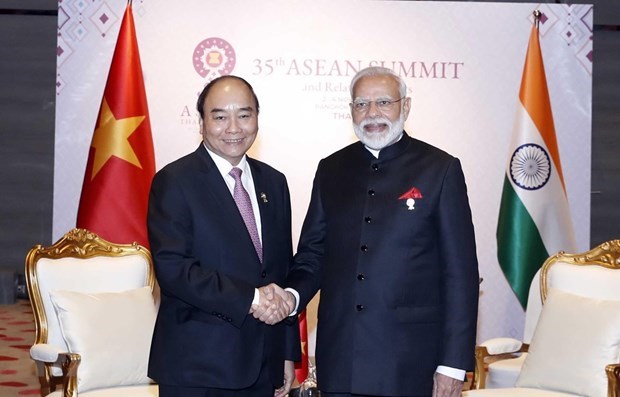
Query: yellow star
[[111, 138]]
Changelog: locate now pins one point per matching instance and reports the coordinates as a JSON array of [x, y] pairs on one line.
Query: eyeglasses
[[383, 104]]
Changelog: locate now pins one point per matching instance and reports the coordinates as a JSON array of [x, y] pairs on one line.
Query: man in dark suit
[[389, 241], [212, 251]]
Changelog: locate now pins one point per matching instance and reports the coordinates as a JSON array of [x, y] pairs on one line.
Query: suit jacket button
[[375, 167], [368, 219], [359, 308], [364, 248], [263, 274], [361, 276], [371, 192]]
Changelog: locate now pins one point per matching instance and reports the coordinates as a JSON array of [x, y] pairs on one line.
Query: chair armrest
[[50, 357], [613, 380], [497, 348], [45, 352]]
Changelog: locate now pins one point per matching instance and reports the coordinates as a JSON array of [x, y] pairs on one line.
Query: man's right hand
[[275, 304]]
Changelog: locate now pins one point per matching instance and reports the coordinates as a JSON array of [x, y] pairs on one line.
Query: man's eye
[[383, 102], [361, 105], [219, 118]]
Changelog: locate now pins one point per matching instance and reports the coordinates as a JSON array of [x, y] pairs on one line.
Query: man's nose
[[233, 126], [373, 109]]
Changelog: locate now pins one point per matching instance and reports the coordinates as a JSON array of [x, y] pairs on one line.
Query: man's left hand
[[289, 377], [445, 386]]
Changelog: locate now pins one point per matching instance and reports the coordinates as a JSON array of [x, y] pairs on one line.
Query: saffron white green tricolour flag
[[534, 219]]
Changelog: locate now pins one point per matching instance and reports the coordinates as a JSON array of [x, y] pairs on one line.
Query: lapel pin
[[410, 196], [263, 196]]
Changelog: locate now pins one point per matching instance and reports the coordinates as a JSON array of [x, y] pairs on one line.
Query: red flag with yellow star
[[121, 162], [301, 368]]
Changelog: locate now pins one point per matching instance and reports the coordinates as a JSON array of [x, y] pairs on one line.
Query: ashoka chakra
[[530, 167]]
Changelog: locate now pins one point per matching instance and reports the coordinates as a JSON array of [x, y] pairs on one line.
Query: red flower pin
[[412, 193]]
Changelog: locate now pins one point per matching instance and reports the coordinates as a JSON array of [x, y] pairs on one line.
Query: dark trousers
[[175, 391], [262, 388], [324, 394]]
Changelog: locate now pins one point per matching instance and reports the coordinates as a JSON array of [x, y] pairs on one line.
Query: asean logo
[[530, 167], [214, 57]]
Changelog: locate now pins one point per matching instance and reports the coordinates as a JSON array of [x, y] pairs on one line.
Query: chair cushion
[[576, 337], [111, 331], [94, 274], [125, 391], [515, 392], [504, 373]]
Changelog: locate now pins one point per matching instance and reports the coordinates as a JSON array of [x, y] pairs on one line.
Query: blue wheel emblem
[[530, 166]]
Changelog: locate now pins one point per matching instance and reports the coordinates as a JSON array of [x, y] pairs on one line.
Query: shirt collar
[[224, 166], [376, 152]]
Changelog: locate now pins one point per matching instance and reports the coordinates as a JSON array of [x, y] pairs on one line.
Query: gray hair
[[379, 71]]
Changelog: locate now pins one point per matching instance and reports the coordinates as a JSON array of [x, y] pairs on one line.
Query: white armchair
[[94, 316], [575, 346], [502, 358]]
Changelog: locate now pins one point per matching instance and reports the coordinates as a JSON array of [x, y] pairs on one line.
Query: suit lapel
[[213, 183], [261, 188]]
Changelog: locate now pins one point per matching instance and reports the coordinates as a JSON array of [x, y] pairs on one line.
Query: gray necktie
[[242, 199]]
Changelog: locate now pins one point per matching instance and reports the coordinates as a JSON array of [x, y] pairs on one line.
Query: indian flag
[[534, 219]]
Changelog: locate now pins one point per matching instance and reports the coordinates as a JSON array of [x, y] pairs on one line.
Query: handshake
[[275, 304]]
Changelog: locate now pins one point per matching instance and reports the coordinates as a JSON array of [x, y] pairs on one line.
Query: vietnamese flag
[[301, 368], [121, 161]]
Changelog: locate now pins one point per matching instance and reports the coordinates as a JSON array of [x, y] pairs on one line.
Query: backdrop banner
[[462, 62]]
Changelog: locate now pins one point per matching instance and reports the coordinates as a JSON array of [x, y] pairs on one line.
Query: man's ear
[[406, 107]]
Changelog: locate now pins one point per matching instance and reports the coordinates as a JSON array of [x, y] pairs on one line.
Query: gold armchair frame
[[483, 356], [606, 255], [79, 244]]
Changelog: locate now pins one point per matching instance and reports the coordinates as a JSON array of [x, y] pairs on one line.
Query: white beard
[[379, 140]]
